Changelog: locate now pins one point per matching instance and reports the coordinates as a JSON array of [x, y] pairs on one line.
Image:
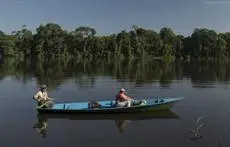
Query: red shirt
[[121, 97]]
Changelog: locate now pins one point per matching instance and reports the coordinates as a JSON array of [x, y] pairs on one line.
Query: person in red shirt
[[122, 99]]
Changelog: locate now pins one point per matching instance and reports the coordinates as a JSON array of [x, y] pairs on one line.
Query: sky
[[113, 16]]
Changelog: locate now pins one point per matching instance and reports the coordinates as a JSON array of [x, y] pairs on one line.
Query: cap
[[122, 89], [43, 86]]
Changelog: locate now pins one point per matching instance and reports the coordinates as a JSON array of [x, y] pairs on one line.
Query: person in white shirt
[[42, 97]]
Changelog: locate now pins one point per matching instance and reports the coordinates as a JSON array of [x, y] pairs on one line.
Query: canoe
[[164, 103]]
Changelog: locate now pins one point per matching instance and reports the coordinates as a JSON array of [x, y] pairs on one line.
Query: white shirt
[[41, 95]]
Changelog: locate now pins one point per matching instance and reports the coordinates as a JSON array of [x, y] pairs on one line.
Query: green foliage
[[24, 41], [51, 42], [7, 43]]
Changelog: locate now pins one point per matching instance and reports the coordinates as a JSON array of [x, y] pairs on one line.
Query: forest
[[51, 41]]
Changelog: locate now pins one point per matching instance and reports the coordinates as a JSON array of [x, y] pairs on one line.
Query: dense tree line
[[52, 41]]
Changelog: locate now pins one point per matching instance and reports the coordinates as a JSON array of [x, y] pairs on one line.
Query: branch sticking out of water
[[198, 124]]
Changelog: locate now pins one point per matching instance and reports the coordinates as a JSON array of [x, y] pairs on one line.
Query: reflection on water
[[201, 73], [121, 124], [41, 126], [98, 77], [121, 120]]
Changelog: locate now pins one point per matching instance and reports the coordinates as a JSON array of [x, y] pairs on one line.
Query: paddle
[[50, 100]]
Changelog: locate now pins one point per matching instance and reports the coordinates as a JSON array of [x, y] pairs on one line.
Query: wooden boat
[[164, 103]]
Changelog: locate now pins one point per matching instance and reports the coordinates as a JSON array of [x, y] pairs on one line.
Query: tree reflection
[[140, 71]]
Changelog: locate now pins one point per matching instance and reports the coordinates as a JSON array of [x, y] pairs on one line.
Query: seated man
[[122, 99], [42, 97]]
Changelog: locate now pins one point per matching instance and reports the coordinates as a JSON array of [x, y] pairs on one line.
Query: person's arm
[[48, 98], [127, 97], [37, 96], [130, 98]]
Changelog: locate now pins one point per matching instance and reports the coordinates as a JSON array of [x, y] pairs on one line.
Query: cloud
[[216, 2]]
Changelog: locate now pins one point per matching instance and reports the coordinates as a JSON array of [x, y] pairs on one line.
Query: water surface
[[203, 84]]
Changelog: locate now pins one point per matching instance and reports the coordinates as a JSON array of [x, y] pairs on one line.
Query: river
[[205, 86]]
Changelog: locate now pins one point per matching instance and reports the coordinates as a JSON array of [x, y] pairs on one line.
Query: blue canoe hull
[[108, 107]]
